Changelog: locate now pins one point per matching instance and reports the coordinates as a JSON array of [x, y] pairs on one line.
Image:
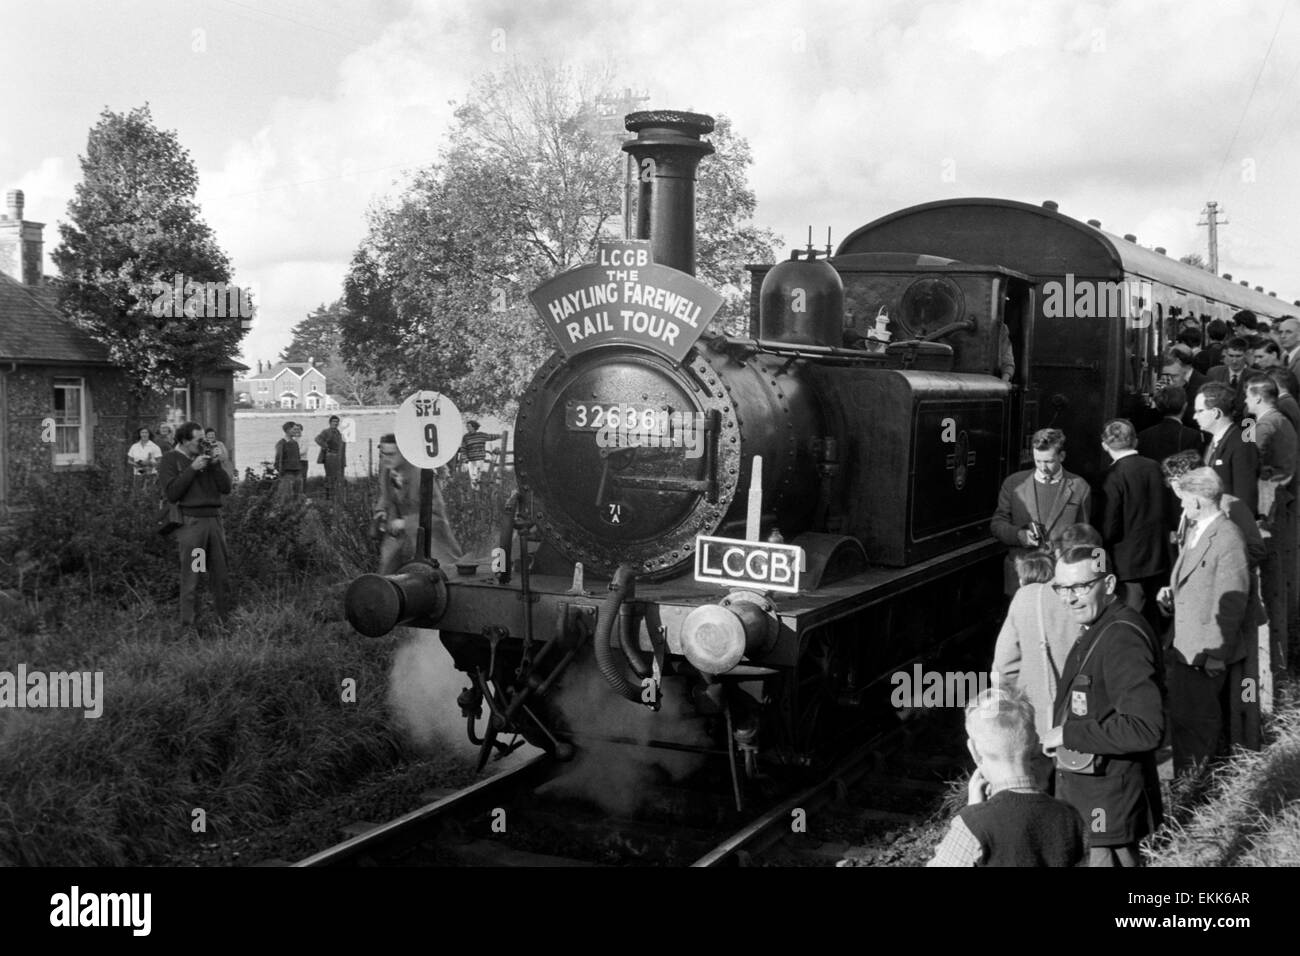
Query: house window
[[288, 401], [70, 445]]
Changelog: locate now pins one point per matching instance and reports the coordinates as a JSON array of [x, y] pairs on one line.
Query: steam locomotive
[[858, 436]]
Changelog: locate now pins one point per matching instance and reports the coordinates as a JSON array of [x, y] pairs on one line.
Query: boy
[[288, 463], [1008, 820]]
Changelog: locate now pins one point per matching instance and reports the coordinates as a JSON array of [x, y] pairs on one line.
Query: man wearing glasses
[[1108, 706]]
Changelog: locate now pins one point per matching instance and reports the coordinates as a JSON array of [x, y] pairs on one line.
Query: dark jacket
[[1018, 506], [1208, 357], [287, 456], [1194, 382], [1133, 524], [197, 492], [1168, 437], [1111, 703], [1236, 462], [1287, 405], [1160, 441]]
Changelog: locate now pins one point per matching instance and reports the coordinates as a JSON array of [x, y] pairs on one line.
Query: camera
[[1039, 531], [207, 446]]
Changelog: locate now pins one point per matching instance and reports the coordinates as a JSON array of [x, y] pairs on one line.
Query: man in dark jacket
[[1176, 369], [1133, 525], [1108, 705], [1235, 461], [1036, 506], [191, 475], [1235, 373]]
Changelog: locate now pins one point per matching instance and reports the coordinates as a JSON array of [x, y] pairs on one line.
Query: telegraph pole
[[612, 111], [1211, 213]]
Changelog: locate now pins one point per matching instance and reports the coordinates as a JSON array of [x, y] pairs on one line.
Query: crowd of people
[[1174, 586], [193, 473]]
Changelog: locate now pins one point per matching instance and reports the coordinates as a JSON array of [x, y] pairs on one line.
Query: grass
[[1246, 813], [203, 737]]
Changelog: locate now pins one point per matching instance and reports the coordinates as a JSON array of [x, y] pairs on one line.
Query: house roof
[[32, 329]]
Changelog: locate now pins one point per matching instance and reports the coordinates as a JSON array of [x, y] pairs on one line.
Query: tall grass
[[200, 737], [1245, 814]]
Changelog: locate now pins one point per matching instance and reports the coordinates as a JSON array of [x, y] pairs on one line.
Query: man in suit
[[1236, 462], [1235, 374], [1169, 436], [1133, 523], [1288, 336], [1108, 704], [1176, 369], [1036, 506], [1208, 595]]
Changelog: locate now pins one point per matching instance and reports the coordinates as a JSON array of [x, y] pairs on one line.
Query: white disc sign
[[429, 429]]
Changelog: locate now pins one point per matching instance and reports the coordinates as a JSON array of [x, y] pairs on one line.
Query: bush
[[247, 729]]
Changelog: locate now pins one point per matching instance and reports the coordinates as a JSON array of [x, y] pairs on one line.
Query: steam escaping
[[619, 777], [422, 689]]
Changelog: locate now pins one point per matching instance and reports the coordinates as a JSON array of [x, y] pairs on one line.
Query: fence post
[[370, 468]]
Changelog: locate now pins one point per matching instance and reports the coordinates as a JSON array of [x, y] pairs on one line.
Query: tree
[[1195, 259], [436, 295], [134, 240], [316, 339]]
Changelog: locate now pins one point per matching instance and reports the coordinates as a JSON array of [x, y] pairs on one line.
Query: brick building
[[286, 385], [63, 405]]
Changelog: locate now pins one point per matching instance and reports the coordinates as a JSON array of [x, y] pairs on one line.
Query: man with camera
[[192, 476], [1036, 505]]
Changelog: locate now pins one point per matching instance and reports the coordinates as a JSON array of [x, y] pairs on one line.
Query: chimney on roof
[[1095, 223], [1050, 205], [21, 242], [1259, 288], [1228, 276], [311, 362], [1160, 250], [1129, 237]]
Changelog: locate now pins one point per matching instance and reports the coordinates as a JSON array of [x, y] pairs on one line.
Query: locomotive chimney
[[667, 149]]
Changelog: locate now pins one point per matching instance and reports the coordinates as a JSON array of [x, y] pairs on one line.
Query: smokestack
[[670, 141], [14, 204]]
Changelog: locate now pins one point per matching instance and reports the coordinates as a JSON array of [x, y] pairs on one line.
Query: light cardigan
[[1018, 657]]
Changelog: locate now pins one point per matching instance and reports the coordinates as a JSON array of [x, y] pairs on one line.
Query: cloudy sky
[[301, 113]]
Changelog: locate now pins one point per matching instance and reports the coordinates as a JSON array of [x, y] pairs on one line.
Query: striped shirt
[[473, 445]]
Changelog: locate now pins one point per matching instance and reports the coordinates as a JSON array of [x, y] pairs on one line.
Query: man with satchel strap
[[1109, 713]]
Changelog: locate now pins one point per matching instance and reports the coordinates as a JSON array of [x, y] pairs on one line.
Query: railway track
[[513, 818]]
